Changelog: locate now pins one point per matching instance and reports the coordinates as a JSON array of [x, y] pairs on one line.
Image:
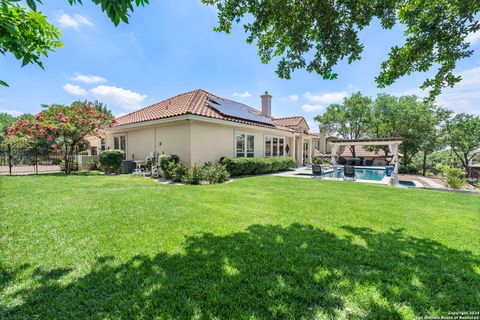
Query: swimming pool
[[361, 173]]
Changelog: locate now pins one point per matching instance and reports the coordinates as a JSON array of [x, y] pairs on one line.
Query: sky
[[169, 47]]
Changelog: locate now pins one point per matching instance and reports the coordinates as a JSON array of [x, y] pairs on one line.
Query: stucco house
[[200, 126]]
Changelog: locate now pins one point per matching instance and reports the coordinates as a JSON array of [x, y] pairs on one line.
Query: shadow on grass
[[266, 272]]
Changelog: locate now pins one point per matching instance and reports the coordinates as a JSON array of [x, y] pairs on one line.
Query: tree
[[463, 136], [350, 120], [5, 121], [28, 35], [64, 126], [315, 35], [100, 106], [432, 140]]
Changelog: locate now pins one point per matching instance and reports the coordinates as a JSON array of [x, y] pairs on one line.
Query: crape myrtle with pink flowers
[[62, 126]]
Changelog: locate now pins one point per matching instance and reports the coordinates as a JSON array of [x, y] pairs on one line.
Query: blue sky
[[170, 47]]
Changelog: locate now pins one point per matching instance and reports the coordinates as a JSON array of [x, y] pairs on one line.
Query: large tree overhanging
[[316, 34], [28, 36]]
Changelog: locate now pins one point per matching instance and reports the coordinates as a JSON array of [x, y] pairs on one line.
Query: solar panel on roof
[[237, 110]]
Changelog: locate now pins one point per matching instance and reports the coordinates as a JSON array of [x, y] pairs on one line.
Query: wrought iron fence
[[18, 161]]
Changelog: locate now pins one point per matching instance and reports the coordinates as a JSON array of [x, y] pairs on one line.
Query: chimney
[[267, 104]]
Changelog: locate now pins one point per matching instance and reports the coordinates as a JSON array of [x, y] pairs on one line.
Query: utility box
[[127, 166]]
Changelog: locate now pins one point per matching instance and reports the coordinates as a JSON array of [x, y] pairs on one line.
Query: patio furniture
[[369, 162], [349, 173], [360, 163], [342, 161], [317, 170], [353, 162]]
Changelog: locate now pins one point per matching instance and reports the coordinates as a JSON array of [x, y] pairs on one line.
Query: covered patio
[[338, 146]]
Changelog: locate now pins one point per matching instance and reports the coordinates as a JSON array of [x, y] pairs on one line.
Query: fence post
[[36, 161], [9, 150]]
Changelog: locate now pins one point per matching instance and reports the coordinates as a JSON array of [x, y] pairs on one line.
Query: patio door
[[305, 151]]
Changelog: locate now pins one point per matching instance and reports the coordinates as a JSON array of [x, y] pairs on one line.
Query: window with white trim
[[274, 146], [244, 145]]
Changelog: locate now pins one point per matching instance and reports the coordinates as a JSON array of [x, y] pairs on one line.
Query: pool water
[[361, 173]]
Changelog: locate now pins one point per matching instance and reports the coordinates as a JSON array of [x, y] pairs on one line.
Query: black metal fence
[[18, 161]]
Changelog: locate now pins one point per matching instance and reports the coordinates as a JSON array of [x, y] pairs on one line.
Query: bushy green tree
[[463, 137], [350, 120], [315, 35]]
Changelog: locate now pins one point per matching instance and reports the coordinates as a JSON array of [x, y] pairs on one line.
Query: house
[[200, 126]]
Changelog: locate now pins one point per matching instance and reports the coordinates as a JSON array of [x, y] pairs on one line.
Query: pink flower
[[49, 137]]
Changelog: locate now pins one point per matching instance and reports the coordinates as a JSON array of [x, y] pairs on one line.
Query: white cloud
[[326, 98], [11, 112], [88, 78], [293, 97], [313, 107], [118, 97], [121, 114], [464, 97], [245, 94], [74, 89], [473, 37], [76, 21]]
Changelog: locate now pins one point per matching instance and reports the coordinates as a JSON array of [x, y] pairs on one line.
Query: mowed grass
[[124, 247]]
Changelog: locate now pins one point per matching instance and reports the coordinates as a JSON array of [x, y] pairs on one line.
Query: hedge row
[[249, 166]]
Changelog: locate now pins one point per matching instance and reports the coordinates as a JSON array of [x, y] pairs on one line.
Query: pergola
[[392, 143]]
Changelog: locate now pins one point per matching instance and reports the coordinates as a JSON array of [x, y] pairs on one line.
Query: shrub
[[197, 175], [249, 166], [215, 173], [176, 171], [56, 162], [453, 176], [164, 160], [83, 153], [411, 169], [92, 165], [111, 160], [74, 165]]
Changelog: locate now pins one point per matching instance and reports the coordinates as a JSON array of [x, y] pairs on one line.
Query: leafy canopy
[[317, 34], [463, 135]]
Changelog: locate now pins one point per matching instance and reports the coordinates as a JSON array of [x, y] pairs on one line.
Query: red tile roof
[[195, 103], [289, 122]]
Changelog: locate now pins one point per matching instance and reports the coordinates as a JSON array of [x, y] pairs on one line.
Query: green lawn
[[124, 247]]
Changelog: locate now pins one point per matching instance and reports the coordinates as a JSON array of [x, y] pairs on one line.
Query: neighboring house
[[199, 127]]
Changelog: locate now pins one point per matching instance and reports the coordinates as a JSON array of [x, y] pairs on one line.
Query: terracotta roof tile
[[289, 121], [195, 102]]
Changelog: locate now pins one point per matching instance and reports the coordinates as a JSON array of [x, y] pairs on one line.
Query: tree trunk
[[66, 160], [424, 164], [352, 149]]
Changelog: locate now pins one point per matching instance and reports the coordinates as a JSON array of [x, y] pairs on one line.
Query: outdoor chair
[[349, 173], [360, 161], [317, 170], [342, 161], [352, 162], [369, 162]]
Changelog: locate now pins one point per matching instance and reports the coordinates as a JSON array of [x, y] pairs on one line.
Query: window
[[281, 146], [93, 151], [274, 146], [250, 146], [244, 145], [102, 144], [268, 147], [120, 143]]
